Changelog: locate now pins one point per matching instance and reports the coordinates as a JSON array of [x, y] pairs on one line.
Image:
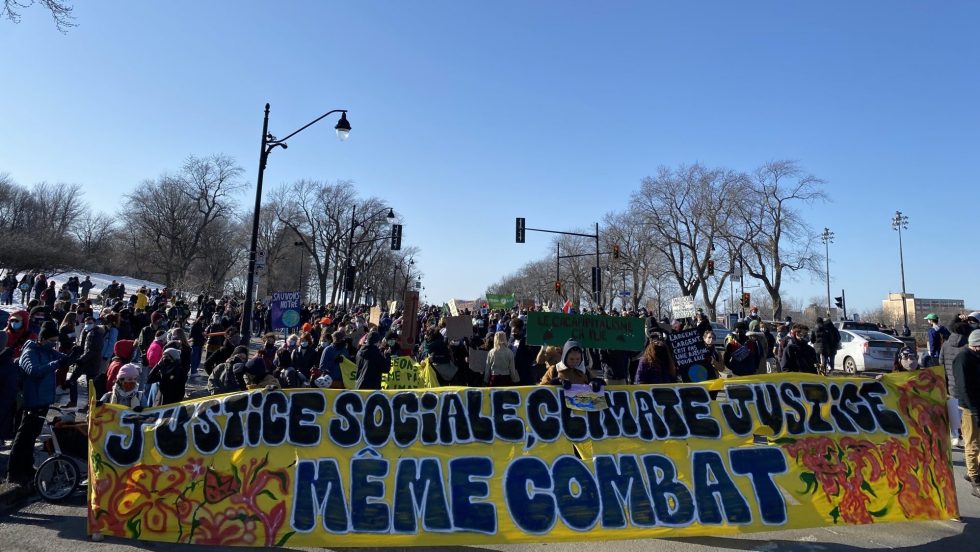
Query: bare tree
[[94, 233], [774, 235], [168, 218], [688, 211], [61, 11]]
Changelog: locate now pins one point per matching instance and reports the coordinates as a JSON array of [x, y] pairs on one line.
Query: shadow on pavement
[[968, 540]]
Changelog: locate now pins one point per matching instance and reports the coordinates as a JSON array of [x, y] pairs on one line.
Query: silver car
[[867, 351]]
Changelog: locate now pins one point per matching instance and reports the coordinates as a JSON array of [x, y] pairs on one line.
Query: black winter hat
[[47, 332]]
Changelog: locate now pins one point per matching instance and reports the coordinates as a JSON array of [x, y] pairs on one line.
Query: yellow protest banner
[[454, 466]]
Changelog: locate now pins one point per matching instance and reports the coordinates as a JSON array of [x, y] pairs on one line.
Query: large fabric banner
[[621, 333], [453, 466]]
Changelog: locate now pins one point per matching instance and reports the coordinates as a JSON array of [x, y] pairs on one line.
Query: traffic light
[[396, 237], [520, 230], [746, 300], [711, 268], [557, 286], [839, 301], [615, 252]]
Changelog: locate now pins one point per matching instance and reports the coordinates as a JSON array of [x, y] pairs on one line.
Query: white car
[[721, 334], [867, 351]]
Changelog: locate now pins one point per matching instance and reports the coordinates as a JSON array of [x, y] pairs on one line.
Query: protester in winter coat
[[304, 357], [656, 363], [743, 354], [798, 355], [170, 375], [110, 323], [524, 355], [936, 336], [966, 368], [615, 366], [67, 333], [149, 334], [155, 351], [9, 383], [501, 369], [572, 369], [371, 363], [228, 377], [437, 351], [123, 353], [19, 332], [197, 341], [330, 360], [89, 363], [38, 363], [125, 388], [232, 339], [178, 335], [255, 375]]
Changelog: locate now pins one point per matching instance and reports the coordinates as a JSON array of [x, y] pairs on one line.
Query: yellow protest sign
[[455, 466], [407, 374], [349, 372]]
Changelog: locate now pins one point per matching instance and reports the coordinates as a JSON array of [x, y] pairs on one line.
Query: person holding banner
[[571, 370], [330, 360], [742, 354], [798, 355]]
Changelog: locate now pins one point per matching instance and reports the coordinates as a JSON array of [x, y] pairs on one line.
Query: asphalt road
[[43, 527]]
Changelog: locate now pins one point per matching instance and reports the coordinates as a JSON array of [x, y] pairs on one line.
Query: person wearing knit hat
[[170, 377], [966, 371], [124, 389], [371, 363]]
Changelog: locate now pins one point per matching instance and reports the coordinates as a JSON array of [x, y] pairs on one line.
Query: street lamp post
[[302, 295], [269, 143], [901, 222], [828, 238]]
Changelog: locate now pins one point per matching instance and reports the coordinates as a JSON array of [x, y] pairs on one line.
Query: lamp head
[[391, 214], [343, 127]]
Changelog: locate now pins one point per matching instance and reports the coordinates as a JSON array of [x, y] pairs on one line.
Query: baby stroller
[[60, 474]]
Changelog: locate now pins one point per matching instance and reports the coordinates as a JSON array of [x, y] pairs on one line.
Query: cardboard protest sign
[[285, 310], [500, 300], [375, 317], [453, 307], [458, 327], [410, 321], [478, 360], [689, 350], [682, 307], [600, 332], [468, 466], [392, 307]]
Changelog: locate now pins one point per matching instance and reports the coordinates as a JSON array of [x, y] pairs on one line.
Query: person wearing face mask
[[124, 390], [19, 332], [304, 357], [38, 363], [155, 351], [89, 363], [269, 350]]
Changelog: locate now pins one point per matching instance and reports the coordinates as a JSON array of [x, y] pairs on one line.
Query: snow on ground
[[100, 281]]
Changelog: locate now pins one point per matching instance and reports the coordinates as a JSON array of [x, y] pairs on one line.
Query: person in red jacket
[[122, 354], [19, 331]]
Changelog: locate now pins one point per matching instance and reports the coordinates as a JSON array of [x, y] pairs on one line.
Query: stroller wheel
[[56, 478]]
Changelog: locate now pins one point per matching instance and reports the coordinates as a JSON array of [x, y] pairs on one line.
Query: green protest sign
[[600, 332], [500, 300]]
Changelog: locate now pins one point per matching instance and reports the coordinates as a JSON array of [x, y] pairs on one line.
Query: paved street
[[42, 527]]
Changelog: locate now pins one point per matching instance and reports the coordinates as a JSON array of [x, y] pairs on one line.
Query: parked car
[[721, 335], [872, 327], [867, 351]]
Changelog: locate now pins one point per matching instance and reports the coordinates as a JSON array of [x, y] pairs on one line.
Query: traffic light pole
[[597, 272]]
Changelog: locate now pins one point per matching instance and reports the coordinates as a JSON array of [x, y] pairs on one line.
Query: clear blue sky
[[467, 114]]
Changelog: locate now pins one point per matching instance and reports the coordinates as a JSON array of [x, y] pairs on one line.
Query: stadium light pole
[[269, 143], [901, 222], [828, 238]]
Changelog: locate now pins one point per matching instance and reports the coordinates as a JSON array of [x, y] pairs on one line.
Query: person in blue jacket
[[38, 362]]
